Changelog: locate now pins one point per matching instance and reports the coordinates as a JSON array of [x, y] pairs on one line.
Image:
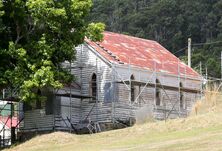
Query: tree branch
[[18, 32]]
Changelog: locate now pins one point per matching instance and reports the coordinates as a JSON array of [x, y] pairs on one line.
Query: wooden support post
[[81, 81], [70, 101], [201, 87], [13, 137], [0, 141], [3, 139], [221, 63], [130, 84], [12, 129], [114, 87], [179, 80], [155, 85], [97, 95]]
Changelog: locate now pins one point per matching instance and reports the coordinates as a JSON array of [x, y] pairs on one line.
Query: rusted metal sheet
[[148, 54]]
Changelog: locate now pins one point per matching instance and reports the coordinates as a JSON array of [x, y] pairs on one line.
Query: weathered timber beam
[[173, 88], [75, 96]]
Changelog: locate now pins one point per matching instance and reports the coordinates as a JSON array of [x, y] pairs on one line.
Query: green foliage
[[170, 22], [94, 31], [36, 37], [1, 11]]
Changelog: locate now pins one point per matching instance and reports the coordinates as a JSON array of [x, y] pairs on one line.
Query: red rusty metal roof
[[148, 54]]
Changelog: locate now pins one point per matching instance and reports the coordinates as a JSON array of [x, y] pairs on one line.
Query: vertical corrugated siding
[[36, 119]]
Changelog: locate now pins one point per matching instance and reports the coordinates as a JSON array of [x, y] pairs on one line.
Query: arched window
[[132, 89], [94, 86], [182, 104], [158, 93]]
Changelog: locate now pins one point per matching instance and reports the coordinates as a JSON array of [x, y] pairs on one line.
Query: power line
[[198, 44], [209, 43], [180, 50]]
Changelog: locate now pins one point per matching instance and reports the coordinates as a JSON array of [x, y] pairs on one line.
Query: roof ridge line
[[131, 36]]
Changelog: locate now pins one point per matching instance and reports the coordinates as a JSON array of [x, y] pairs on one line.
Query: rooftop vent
[[110, 53], [105, 49]]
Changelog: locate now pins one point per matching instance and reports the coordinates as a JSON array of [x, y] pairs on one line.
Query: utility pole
[[201, 68], [189, 52], [201, 87]]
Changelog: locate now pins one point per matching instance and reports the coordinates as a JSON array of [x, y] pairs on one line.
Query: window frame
[[93, 87], [158, 101], [132, 89], [181, 97]]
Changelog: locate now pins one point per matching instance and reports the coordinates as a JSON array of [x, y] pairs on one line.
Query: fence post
[[13, 135]]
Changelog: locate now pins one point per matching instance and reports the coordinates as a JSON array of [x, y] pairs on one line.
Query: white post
[[189, 52], [200, 68], [3, 93]]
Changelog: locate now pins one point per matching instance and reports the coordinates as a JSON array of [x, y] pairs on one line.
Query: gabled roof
[[148, 54]]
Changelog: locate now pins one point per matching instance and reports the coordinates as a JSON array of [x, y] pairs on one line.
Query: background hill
[[170, 22]]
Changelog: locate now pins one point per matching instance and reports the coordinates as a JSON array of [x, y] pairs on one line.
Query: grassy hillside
[[197, 132]]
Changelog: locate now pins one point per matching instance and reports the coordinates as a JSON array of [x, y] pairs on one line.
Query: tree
[[36, 37]]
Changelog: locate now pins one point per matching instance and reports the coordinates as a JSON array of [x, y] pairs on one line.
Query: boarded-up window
[[94, 87], [49, 103], [132, 89], [182, 101], [108, 92], [158, 93]]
